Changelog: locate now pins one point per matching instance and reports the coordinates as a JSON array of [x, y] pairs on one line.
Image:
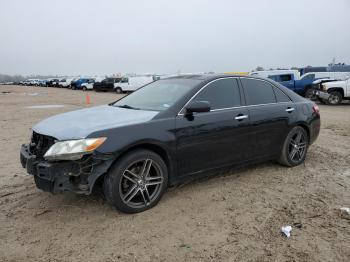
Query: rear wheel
[[334, 98], [136, 182], [84, 88], [295, 147]]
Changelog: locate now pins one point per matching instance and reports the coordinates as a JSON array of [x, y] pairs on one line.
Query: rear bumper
[[57, 177], [314, 129]]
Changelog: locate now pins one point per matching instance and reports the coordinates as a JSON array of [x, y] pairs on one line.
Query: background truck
[[301, 85], [107, 84], [334, 92]]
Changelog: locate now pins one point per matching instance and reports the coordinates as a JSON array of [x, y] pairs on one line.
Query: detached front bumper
[[56, 177]]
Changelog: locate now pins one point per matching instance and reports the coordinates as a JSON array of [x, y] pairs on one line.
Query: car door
[[110, 84], [270, 111], [305, 81], [216, 138]]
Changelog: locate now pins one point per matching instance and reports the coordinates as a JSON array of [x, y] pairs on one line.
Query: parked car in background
[[53, 82], [43, 82], [65, 82], [25, 83], [167, 132], [89, 85], [33, 82], [334, 92], [107, 84], [77, 83], [130, 84]]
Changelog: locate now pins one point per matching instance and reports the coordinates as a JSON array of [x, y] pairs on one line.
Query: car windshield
[[159, 95]]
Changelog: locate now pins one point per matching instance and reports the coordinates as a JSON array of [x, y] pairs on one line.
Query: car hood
[[338, 83], [80, 123]]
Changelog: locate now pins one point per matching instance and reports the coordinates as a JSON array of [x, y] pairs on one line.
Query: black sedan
[[169, 131]]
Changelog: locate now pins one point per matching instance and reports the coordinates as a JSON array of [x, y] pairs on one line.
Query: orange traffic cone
[[87, 99]]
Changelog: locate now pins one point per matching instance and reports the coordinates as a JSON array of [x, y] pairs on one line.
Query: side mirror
[[198, 107]]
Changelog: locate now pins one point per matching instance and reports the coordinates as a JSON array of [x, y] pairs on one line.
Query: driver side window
[[222, 93]]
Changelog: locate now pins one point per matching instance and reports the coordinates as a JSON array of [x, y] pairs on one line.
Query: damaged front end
[[78, 176]]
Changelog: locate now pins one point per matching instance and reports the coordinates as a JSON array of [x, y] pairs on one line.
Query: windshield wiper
[[129, 107]]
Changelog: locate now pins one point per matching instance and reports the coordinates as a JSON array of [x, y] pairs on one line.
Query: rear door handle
[[241, 117], [290, 109]]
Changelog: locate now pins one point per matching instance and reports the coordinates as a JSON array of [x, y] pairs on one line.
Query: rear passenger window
[[258, 92], [223, 93], [281, 97]]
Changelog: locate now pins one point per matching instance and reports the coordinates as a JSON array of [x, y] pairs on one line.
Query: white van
[[320, 76], [268, 73], [132, 83]]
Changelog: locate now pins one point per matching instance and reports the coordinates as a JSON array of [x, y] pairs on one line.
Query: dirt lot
[[236, 216]]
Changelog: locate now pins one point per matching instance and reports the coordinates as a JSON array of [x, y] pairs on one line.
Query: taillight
[[315, 109]]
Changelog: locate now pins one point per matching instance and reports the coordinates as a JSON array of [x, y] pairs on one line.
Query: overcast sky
[[94, 37]]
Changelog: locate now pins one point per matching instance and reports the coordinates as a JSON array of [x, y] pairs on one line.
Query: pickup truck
[[301, 85], [334, 92], [107, 84]]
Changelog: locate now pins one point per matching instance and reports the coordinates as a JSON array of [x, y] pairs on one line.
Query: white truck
[[132, 83], [334, 92]]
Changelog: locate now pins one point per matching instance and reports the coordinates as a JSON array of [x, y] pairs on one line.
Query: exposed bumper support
[[75, 176]]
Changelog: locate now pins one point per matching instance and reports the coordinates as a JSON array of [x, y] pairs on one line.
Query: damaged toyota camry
[[166, 132]]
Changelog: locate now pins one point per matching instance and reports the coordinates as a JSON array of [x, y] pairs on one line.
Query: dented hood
[[80, 123]]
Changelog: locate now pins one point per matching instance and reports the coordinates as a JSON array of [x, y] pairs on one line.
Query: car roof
[[209, 77]]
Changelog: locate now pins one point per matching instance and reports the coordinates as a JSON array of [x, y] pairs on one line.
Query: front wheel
[[294, 147], [334, 98], [84, 88], [322, 101], [310, 93], [136, 182], [118, 90]]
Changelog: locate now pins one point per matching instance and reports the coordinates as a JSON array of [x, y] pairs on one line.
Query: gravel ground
[[234, 216]]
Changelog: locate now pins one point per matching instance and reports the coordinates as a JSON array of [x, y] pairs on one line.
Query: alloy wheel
[[297, 146], [141, 183], [333, 99]]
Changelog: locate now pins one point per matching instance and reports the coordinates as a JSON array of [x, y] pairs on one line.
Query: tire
[[128, 190], [294, 147], [322, 101], [309, 94], [84, 88], [118, 90], [334, 98]]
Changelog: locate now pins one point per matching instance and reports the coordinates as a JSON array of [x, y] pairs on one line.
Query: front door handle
[[241, 117], [290, 109]]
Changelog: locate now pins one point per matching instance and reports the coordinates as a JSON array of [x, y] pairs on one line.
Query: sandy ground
[[236, 216]]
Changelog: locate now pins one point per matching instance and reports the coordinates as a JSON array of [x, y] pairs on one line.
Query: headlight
[[73, 149]]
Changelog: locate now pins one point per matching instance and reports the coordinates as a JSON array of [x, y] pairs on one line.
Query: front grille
[[40, 144]]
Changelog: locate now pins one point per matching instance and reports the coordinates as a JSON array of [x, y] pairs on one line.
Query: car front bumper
[[56, 177], [322, 95]]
